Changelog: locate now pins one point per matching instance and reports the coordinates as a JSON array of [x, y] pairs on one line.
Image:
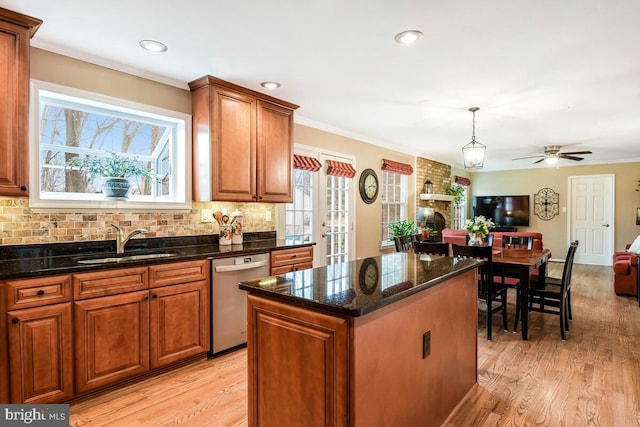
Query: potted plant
[[456, 191], [115, 170], [403, 227]]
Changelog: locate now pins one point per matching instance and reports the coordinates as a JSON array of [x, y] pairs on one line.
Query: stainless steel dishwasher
[[228, 302]]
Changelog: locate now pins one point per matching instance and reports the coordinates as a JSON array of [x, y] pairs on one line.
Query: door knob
[[605, 225]]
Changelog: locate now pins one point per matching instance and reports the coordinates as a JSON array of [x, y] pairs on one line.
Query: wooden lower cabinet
[[41, 354], [299, 357], [112, 339], [286, 260], [179, 324]]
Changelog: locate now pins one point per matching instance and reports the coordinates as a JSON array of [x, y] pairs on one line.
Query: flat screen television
[[505, 211]]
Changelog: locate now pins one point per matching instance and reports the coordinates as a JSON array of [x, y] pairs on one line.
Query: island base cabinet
[[112, 339], [315, 369], [179, 323], [41, 354], [298, 366]]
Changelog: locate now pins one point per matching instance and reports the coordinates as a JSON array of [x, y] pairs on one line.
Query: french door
[[322, 211]]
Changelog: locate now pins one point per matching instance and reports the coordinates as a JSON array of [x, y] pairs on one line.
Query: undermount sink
[[123, 258]]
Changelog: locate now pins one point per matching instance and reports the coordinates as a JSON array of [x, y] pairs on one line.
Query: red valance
[[306, 163], [396, 167], [461, 180], [335, 168]]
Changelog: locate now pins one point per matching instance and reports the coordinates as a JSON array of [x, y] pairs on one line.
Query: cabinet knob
[[40, 292], [154, 296], [24, 188], [294, 255], [14, 320], [146, 297]]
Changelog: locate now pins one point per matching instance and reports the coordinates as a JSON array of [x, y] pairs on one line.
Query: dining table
[[521, 263]]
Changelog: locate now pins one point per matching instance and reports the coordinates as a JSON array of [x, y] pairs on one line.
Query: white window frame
[[180, 148], [402, 203]]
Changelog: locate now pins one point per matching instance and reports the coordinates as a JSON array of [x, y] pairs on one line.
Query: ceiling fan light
[[551, 160]]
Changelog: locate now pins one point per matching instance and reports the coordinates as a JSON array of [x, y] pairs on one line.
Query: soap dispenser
[[236, 226]]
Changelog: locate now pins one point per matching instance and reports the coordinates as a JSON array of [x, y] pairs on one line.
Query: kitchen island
[[389, 340]]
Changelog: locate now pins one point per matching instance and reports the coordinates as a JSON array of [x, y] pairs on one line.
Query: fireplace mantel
[[440, 197]]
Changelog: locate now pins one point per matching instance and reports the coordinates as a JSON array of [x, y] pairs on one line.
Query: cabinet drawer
[[25, 293], [178, 272], [290, 267], [291, 256], [109, 282]]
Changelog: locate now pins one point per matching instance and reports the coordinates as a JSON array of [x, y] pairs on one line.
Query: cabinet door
[[233, 146], [299, 357], [112, 339], [40, 354], [14, 93], [179, 322], [275, 153]]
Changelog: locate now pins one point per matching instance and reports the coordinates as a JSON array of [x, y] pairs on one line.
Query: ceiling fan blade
[[541, 160], [530, 157], [577, 152], [564, 156]]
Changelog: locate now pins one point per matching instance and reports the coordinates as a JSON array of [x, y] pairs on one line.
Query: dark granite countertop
[[359, 287], [62, 258]]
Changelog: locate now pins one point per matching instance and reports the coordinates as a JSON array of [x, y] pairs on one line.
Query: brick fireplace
[[437, 214]]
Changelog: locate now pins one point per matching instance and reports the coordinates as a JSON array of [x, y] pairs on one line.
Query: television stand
[[504, 229]]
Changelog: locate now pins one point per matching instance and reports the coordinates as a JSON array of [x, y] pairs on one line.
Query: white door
[[321, 211], [591, 218]]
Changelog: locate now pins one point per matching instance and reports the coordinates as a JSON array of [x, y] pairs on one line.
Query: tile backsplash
[[20, 225]]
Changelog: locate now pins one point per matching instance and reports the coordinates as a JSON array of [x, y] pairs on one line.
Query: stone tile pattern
[[440, 175], [20, 225]]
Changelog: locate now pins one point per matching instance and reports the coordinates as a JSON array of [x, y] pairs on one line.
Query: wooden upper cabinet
[[15, 32], [242, 143]]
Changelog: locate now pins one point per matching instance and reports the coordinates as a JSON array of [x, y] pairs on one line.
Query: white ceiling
[[543, 72]]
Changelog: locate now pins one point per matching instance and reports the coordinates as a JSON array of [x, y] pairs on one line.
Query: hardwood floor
[[592, 379]]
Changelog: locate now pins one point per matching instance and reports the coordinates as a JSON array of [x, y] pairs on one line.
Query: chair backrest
[[431, 248], [523, 242], [485, 270], [565, 283], [403, 243]]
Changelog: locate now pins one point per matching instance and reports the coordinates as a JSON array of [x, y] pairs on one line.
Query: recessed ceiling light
[[153, 46], [270, 85], [408, 37]]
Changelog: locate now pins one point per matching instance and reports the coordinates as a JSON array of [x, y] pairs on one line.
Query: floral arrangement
[[113, 165], [480, 226]]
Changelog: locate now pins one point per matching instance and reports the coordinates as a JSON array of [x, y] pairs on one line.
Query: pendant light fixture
[[473, 152]]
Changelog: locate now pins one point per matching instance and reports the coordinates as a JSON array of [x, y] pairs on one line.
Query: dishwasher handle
[[238, 267]]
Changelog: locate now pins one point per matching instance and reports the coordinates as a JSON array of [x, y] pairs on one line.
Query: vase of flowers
[[478, 229]]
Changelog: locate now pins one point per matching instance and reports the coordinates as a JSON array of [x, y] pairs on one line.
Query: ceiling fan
[[552, 154]]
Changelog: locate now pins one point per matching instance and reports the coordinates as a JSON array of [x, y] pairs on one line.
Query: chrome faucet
[[121, 240]]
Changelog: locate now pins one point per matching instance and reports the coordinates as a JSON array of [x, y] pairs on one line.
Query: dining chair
[[514, 242], [517, 242], [431, 248], [403, 243], [553, 297], [488, 290]]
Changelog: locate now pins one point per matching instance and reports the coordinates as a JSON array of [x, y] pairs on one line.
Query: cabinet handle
[[40, 292], [155, 296], [294, 255], [146, 297], [14, 320], [24, 188]]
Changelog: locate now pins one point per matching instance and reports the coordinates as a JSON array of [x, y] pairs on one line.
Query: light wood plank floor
[[592, 379]]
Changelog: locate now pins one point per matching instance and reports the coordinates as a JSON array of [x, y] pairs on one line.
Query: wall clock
[[368, 276], [546, 204], [368, 186]]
